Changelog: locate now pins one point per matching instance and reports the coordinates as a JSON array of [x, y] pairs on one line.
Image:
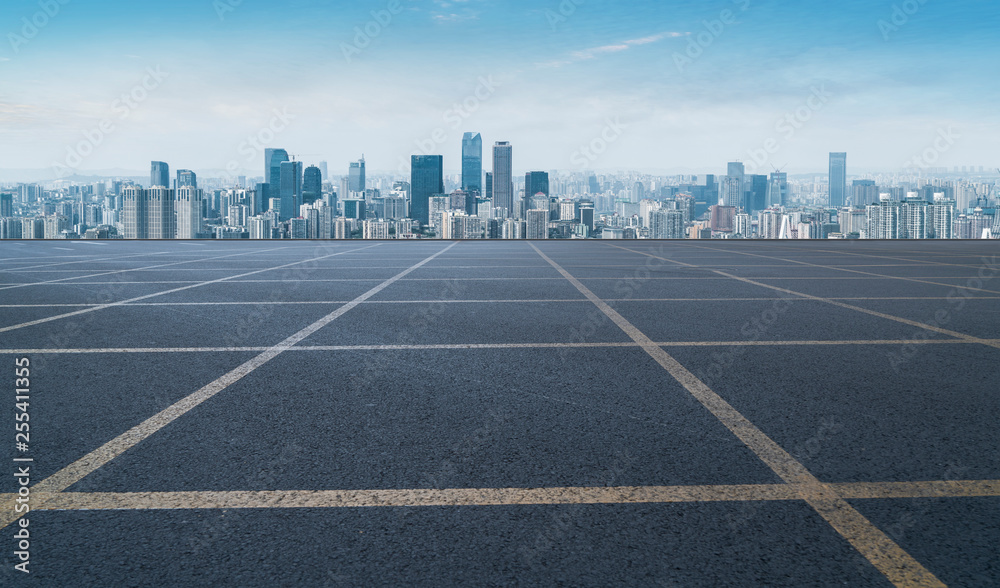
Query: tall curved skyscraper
[[273, 158]]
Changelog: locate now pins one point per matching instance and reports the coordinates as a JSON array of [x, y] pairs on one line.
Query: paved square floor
[[434, 413]]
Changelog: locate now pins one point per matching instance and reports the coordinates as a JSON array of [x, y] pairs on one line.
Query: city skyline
[[664, 86]]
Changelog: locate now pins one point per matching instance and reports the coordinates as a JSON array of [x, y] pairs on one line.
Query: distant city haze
[[574, 85]]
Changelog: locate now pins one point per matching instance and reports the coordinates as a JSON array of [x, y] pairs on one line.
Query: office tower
[[355, 209], [312, 185], [536, 182], [863, 193], [488, 186], [666, 224], [777, 190], [290, 189], [733, 191], [356, 176], [587, 216], [6, 205], [324, 171], [757, 199], [186, 179], [188, 209], [426, 181], [537, 223], [838, 179], [472, 162], [159, 174], [273, 158], [503, 179]]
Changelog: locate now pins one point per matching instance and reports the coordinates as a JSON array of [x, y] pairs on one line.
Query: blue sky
[[682, 95]]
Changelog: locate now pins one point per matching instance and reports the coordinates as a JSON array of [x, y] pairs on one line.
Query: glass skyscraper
[[472, 162], [273, 158], [426, 180], [291, 189], [838, 179], [186, 179], [356, 176], [503, 179], [312, 185], [159, 174]]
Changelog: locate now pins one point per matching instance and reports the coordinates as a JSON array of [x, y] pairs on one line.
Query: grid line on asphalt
[[84, 466], [171, 291], [423, 497], [882, 276], [875, 313], [108, 273], [472, 346], [878, 548]]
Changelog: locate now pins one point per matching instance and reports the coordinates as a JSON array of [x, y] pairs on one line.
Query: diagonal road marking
[[87, 464], [171, 291], [878, 548]]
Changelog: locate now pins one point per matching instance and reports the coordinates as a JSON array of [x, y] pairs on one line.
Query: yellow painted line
[[915, 261], [917, 324], [888, 557], [62, 281], [413, 498], [929, 489], [470, 346], [883, 276], [498, 496], [87, 464], [171, 291]]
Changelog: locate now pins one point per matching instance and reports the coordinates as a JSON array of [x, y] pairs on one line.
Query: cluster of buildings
[[293, 201]]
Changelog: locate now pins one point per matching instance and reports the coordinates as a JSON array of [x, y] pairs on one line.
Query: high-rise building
[[884, 219], [188, 207], [536, 182], [356, 176], [426, 181], [666, 224], [186, 179], [324, 170], [913, 218], [472, 162], [291, 189], [537, 223], [503, 179], [488, 186], [733, 191], [6, 205], [159, 174], [757, 197], [777, 190], [863, 193], [273, 158], [312, 185], [161, 222], [838, 179]]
